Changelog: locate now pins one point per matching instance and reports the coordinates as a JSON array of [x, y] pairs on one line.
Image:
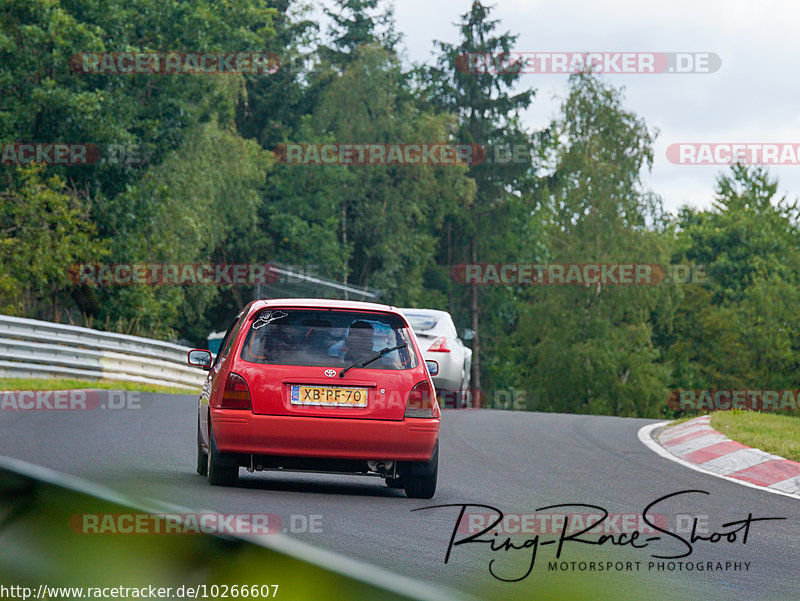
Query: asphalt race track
[[515, 462]]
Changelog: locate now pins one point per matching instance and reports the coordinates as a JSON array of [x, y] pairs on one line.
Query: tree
[[46, 101], [487, 116], [740, 329], [355, 24], [588, 348], [193, 207], [383, 218], [44, 231], [273, 104]]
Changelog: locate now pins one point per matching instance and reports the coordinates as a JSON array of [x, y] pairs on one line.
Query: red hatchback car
[[319, 385]]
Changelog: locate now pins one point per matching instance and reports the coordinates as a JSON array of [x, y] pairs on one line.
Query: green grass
[[776, 434], [69, 384], [680, 420]]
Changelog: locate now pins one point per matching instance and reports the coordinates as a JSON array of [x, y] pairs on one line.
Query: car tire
[[421, 482], [222, 471], [466, 393], [202, 459], [399, 482]]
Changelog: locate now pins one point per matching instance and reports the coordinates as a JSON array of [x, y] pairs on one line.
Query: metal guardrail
[[30, 348]]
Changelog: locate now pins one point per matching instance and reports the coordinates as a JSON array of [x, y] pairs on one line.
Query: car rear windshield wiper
[[373, 357]]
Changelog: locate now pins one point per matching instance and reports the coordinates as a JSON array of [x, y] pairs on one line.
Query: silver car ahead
[[439, 341]]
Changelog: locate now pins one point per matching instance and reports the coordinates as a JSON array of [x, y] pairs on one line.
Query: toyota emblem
[[330, 372]]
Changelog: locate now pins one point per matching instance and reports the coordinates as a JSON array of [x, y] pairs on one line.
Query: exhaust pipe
[[379, 465]]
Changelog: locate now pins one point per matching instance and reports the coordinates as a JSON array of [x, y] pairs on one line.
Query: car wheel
[[202, 460], [466, 394], [421, 483], [222, 471]]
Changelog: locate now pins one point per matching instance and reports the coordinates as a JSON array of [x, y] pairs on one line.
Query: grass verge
[[69, 384], [776, 434], [681, 420]]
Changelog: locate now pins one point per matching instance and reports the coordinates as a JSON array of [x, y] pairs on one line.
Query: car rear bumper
[[451, 371], [411, 439], [444, 383]]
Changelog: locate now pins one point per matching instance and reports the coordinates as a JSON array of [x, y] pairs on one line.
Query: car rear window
[[421, 323], [321, 338]]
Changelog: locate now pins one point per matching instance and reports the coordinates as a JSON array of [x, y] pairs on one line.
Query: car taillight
[[236, 394], [421, 400], [440, 346]]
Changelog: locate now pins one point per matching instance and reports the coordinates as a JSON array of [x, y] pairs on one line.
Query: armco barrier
[[38, 349]]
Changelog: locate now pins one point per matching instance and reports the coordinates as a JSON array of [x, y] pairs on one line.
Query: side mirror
[[200, 358], [433, 367], [468, 335]]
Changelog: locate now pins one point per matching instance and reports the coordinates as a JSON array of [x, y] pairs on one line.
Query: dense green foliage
[[212, 188]]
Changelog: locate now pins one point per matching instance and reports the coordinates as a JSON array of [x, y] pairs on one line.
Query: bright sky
[[752, 98]]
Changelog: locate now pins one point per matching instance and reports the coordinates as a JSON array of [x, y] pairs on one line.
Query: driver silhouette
[[358, 344]]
